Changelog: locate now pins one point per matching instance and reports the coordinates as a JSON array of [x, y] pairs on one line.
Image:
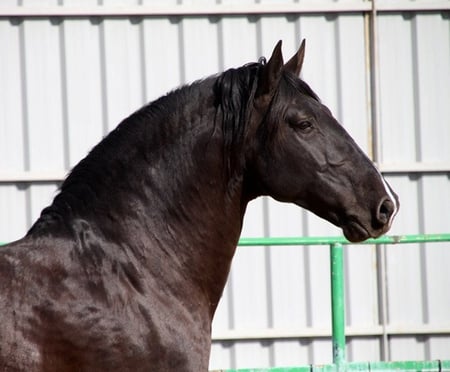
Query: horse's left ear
[[294, 65], [270, 75]]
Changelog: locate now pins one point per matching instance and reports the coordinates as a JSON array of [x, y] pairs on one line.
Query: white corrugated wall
[[71, 70]]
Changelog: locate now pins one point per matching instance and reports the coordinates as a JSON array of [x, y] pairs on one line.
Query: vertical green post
[[337, 304]]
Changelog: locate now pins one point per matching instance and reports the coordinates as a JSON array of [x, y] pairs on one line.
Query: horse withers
[[124, 270]]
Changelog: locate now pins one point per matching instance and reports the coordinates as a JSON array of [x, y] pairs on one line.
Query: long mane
[[150, 126], [234, 92]]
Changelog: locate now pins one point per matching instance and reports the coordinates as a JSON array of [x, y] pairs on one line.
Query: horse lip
[[355, 232]]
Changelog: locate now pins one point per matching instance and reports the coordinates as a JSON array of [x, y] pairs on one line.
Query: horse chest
[[72, 322]]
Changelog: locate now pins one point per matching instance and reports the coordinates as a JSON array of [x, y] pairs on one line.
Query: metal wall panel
[[414, 75], [85, 117], [67, 81], [414, 57], [42, 94]]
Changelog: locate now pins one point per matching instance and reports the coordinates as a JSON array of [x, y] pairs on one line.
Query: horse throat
[[203, 215]]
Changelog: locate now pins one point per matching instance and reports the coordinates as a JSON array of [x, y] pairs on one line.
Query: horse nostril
[[385, 210]]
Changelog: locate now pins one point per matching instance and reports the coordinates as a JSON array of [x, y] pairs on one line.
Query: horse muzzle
[[380, 221]]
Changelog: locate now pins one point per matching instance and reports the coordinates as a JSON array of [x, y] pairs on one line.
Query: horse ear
[[271, 74], [294, 65]]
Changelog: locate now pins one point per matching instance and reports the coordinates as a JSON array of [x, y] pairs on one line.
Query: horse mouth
[[355, 232]]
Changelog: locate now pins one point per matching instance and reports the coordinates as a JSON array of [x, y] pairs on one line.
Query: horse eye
[[304, 125]]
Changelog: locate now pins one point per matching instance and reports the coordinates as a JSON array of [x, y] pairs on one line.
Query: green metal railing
[[340, 364]]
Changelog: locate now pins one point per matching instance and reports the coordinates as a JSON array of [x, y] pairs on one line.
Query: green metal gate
[[338, 309]]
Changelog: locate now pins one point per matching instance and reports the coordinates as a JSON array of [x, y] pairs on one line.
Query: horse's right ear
[[270, 77]]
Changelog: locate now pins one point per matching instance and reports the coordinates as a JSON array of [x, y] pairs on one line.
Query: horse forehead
[[303, 101], [318, 110]]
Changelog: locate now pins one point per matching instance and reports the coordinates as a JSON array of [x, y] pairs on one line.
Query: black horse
[[124, 270]]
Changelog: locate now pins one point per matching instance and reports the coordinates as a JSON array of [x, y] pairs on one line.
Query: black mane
[[106, 164], [234, 92]]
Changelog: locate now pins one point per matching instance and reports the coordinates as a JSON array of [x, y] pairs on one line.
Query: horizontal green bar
[[275, 369], [412, 366], [327, 240]]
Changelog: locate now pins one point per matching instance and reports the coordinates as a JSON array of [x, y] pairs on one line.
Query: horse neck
[[197, 215], [157, 187]]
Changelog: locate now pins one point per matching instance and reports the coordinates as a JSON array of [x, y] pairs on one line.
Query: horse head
[[300, 154]]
